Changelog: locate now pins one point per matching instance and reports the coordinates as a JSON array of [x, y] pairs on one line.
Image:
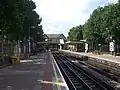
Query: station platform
[[57, 81], [107, 57], [40, 72]]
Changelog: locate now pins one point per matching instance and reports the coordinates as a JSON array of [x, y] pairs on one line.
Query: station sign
[[86, 46], [112, 46]]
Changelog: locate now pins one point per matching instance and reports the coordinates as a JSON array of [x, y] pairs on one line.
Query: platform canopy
[[76, 42], [42, 42]]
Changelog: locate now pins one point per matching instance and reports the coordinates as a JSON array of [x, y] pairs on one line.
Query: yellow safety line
[[56, 77]]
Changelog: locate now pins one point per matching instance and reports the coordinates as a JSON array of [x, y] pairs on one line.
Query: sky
[[58, 16]]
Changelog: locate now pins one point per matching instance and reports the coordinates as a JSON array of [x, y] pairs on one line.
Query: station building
[[54, 41]]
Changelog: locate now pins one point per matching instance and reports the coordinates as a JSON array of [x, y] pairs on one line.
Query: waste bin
[[15, 60]]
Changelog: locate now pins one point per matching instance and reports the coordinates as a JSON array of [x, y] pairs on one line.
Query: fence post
[[25, 48], [18, 48], [11, 48], [2, 44]]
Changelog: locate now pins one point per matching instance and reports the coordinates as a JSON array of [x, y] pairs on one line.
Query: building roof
[[42, 42], [76, 42], [51, 36], [73, 42]]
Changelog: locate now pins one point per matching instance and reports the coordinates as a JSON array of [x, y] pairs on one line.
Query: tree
[[16, 17], [75, 33], [103, 24], [79, 34], [93, 27], [119, 1], [37, 33], [12, 17]]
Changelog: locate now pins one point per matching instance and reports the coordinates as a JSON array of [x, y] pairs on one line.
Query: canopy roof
[[54, 36], [76, 42]]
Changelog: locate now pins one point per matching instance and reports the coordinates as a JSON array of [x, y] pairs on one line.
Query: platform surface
[[108, 57], [40, 72]]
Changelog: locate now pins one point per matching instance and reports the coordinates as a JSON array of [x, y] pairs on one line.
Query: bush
[[97, 52]]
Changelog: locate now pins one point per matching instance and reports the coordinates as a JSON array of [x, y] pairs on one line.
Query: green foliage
[[17, 17], [103, 23], [75, 33], [37, 33], [102, 27], [93, 27], [119, 1]]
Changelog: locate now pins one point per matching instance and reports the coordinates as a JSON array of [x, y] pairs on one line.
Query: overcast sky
[[58, 16]]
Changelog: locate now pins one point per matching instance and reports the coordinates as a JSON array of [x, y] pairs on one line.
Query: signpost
[[86, 47], [112, 46]]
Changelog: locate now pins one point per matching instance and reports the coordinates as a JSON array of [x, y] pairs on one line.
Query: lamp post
[[29, 39], [99, 47], [3, 41]]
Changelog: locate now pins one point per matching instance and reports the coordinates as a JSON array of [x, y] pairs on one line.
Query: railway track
[[103, 78], [76, 78], [105, 73]]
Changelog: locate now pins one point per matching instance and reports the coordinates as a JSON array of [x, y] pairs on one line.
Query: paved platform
[[39, 73], [107, 57]]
